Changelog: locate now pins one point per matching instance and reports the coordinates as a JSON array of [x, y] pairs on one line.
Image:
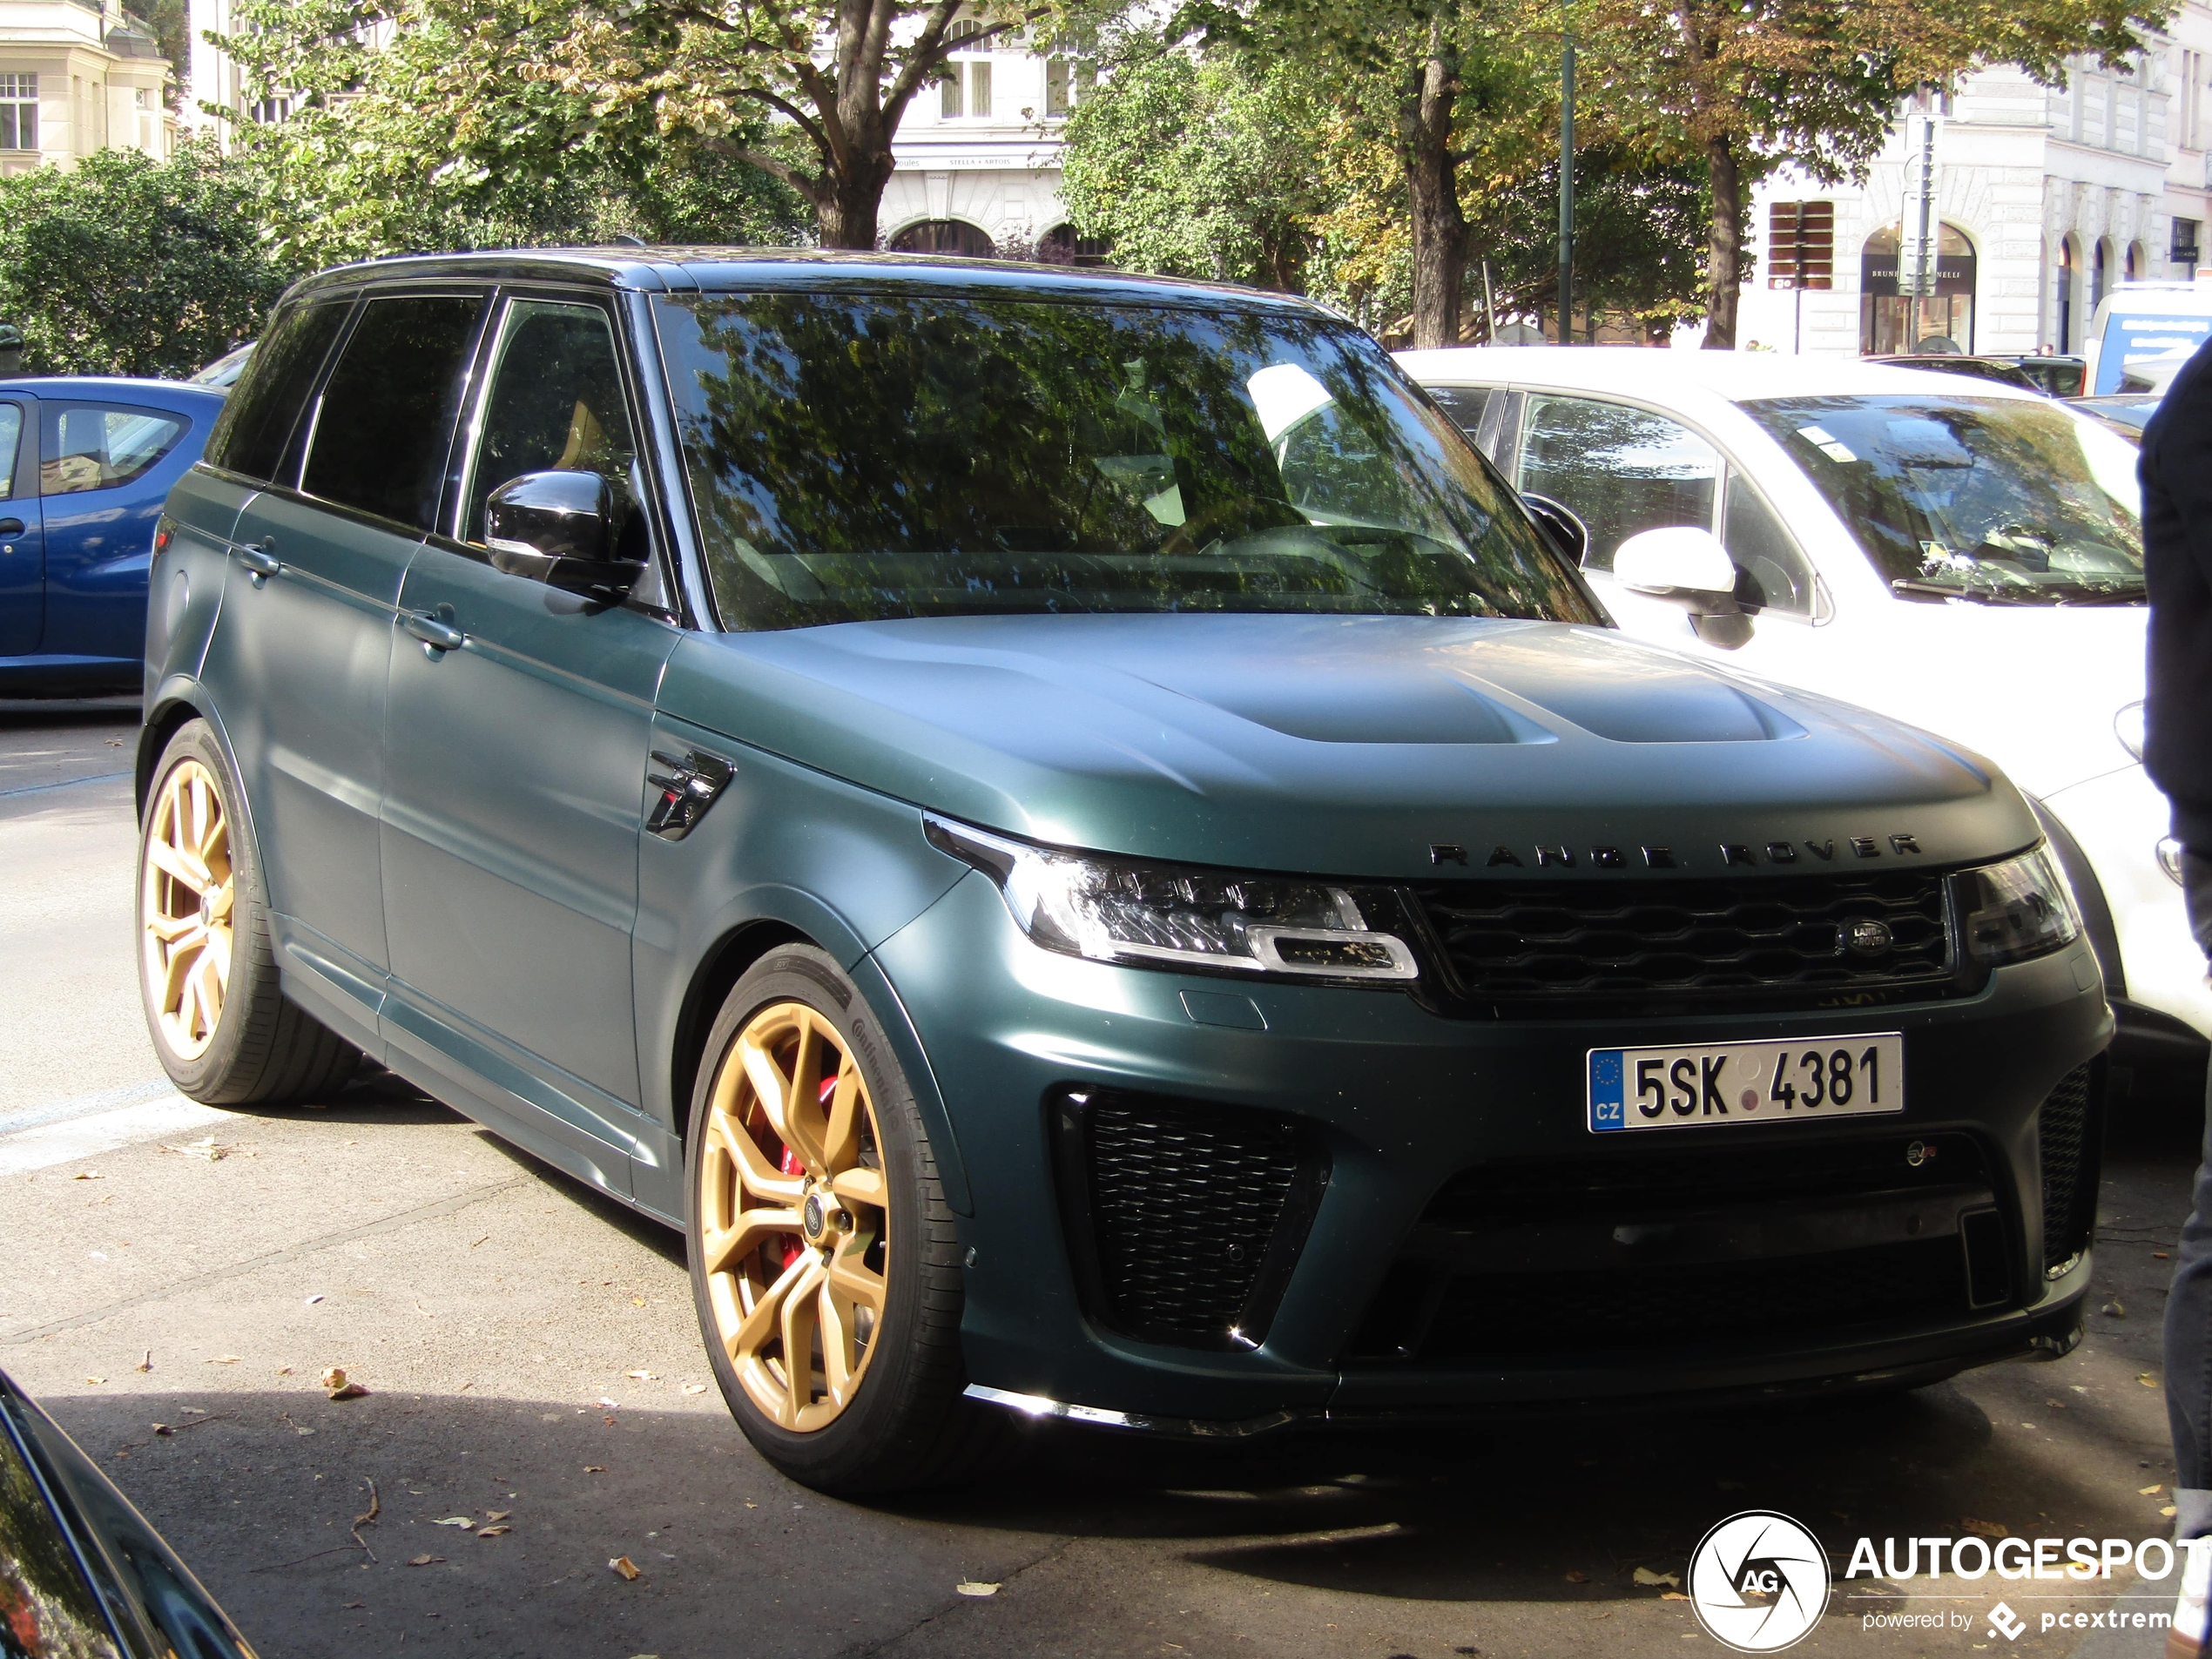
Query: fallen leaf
[[195, 1411], [334, 1378], [146, 1364], [351, 1391], [2158, 1256], [224, 1359], [1672, 1595], [594, 1468], [164, 1430], [606, 1404], [493, 1532], [638, 1301], [500, 1514], [454, 1520], [626, 1567], [354, 1604], [1984, 1528], [88, 1175], [425, 1560], [695, 1388], [1645, 1575], [95, 1379], [1578, 1578], [316, 1297], [2170, 1511], [969, 1587], [2152, 1492], [2113, 1309], [2146, 1380]]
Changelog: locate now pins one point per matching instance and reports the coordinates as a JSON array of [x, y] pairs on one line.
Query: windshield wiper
[[2133, 594], [1938, 591]]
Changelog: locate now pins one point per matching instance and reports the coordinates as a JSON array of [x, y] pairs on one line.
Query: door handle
[[434, 631], [261, 562], [10, 527]]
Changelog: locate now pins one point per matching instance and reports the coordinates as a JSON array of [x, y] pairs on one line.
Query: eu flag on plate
[[1606, 1074]]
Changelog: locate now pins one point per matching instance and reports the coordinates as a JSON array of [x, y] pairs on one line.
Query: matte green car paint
[[184, 583], [1404, 1098], [1187, 737], [1343, 745]]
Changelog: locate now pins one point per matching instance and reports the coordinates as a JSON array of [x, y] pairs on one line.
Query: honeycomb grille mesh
[[1580, 947], [2066, 1137], [1184, 1205]]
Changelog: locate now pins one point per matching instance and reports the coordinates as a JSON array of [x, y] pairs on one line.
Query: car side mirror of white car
[[1681, 564]]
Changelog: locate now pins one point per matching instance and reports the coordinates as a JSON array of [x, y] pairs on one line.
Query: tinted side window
[[257, 417], [1621, 469], [556, 404], [1467, 405], [385, 419], [90, 446]]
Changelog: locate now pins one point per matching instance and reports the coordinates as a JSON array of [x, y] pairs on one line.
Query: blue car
[[86, 462]]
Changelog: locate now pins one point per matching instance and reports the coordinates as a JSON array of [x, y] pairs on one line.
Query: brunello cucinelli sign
[[1954, 273]]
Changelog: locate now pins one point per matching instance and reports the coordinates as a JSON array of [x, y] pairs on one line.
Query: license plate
[[1797, 1079]]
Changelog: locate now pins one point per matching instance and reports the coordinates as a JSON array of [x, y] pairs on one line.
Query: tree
[[418, 127], [127, 266], [842, 72], [1741, 86], [1200, 166]]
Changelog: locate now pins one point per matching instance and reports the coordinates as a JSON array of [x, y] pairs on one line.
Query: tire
[[871, 1275], [221, 1024]]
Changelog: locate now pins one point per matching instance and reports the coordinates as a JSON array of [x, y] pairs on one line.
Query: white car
[[1957, 554]]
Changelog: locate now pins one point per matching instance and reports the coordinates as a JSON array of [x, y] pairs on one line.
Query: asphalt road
[[530, 1354]]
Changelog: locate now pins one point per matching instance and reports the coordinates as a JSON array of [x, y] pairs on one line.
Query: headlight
[[2128, 726], [2012, 911], [1170, 915]]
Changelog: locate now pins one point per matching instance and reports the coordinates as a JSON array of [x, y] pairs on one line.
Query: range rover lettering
[[1070, 832]]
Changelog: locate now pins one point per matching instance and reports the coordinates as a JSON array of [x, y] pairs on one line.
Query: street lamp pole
[[1567, 188]]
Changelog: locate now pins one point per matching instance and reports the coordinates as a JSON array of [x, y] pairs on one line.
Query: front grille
[[1184, 1220], [1599, 946], [1674, 1247], [2068, 1129]]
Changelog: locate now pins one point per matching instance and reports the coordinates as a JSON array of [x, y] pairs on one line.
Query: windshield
[[1998, 500], [856, 457]]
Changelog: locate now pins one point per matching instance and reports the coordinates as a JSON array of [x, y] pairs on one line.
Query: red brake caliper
[[791, 1165]]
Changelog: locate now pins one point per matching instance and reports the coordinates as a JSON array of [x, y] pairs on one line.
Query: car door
[[97, 462], [22, 543], [521, 725], [306, 627], [1624, 468]]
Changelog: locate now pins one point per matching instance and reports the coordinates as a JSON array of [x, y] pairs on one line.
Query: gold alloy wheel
[[794, 1217], [185, 897]]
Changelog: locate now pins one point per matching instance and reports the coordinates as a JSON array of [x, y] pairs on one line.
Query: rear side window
[[256, 425], [385, 420], [1467, 405], [10, 440], [98, 446]]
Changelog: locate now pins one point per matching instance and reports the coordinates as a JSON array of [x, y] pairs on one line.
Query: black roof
[[696, 270]]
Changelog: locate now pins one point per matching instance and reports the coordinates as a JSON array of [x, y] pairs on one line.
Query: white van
[[2142, 333]]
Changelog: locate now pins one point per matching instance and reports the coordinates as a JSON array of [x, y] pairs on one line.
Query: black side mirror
[[1568, 533], [561, 529]]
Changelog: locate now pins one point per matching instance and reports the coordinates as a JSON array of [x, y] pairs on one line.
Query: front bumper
[[1396, 1102]]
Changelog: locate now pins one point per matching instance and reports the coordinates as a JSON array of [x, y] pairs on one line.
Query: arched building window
[[2069, 273], [2135, 266], [1890, 322], [944, 236], [1061, 246], [2100, 266]]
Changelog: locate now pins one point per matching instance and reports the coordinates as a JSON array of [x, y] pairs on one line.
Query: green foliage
[[1198, 166], [423, 127], [126, 265]]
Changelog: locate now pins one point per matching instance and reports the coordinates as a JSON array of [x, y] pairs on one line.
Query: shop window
[[1891, 322]]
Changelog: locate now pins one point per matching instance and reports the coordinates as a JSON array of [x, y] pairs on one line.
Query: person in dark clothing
[[2176, 474]]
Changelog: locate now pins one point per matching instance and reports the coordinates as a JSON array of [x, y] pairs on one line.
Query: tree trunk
[[846, 211], [1431, 182], [1724, 260]]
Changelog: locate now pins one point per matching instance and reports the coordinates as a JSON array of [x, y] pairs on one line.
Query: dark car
[[85, 464], [2058, 376], [1075, 836], [2003, 372], [81, 1573]]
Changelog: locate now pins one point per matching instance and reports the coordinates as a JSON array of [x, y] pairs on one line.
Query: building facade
[[75, 76], [2046, 198]]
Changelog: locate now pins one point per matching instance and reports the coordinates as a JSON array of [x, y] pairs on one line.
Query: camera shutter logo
[[1758, 1582]]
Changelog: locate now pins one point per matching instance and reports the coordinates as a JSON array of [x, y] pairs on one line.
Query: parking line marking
[[102, 1131], [70, 783], [104, 1100]]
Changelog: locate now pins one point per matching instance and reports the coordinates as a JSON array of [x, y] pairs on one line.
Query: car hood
[[1351, 746]]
